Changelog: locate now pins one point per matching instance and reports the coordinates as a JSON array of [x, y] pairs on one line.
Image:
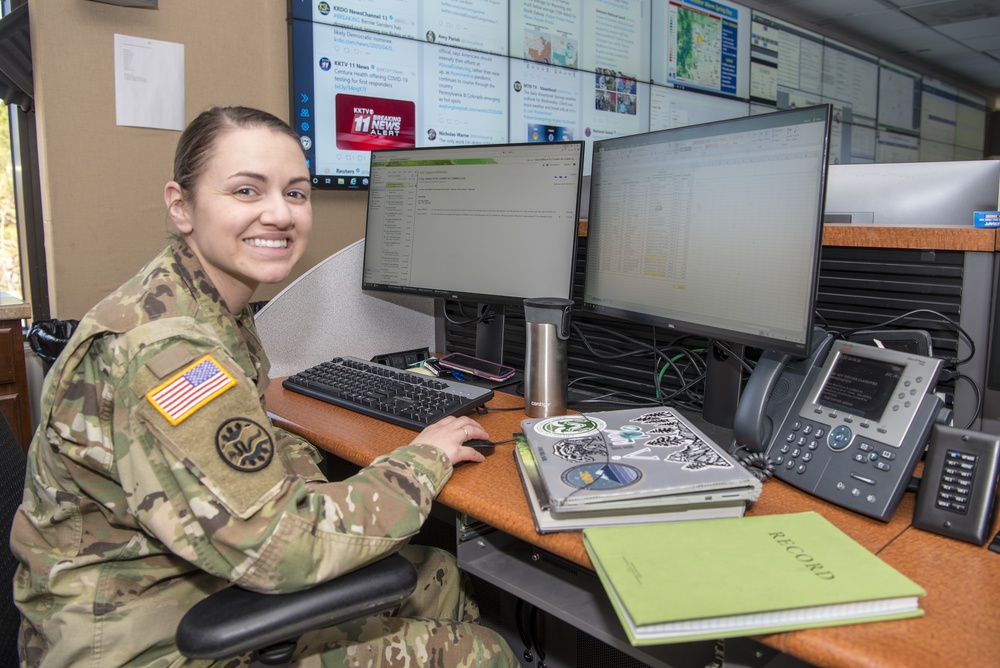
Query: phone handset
[[771, 391]]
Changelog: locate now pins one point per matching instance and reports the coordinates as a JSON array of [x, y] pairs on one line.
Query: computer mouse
[[482, 445]]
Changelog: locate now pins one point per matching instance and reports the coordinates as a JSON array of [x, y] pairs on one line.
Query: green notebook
[[684, 581]]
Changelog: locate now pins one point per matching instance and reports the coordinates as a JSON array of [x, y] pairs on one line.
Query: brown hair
[[195, 146]]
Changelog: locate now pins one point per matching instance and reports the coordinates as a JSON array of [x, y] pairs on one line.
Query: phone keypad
[[956, 481], [795, 450]]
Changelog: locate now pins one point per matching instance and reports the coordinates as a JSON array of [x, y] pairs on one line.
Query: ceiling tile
[[826, 9], [954, 11], [910, 3], [922, 42], [972, 29], [971, 64], [880, 24], [981, 43], [764, 5]]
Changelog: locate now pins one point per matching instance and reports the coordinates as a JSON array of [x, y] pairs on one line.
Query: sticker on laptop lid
[[601, 476], [194, 386], [570, 425]]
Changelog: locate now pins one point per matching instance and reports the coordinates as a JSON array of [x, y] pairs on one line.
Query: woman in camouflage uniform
[[156, 477]]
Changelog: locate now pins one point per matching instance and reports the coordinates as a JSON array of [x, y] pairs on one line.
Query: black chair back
[[12, 463]]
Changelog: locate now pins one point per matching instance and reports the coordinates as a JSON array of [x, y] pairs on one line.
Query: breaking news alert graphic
[[369, 123]]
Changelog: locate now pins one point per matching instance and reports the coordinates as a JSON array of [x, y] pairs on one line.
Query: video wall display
[[369, 74], [786, 64]]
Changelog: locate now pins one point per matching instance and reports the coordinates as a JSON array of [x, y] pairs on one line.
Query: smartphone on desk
[[476, 366]]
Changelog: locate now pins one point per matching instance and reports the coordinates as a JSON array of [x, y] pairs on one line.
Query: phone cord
[[758, 464]]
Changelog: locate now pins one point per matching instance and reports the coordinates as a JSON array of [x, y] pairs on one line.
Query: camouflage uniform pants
[[436, 626]]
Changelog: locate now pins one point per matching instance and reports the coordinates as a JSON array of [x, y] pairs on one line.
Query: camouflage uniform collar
[[210, 301], [189, 268]]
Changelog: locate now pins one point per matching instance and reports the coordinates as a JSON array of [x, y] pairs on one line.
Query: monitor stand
[[723, 384], [489, 333]]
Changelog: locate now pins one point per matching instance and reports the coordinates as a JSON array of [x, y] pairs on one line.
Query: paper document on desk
[[632, 458]]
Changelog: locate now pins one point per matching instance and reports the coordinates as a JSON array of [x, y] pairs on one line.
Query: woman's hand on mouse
[[450, 433]]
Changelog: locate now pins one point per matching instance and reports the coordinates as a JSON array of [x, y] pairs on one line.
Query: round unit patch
[[244, 444], [601, 476], [570, 425]]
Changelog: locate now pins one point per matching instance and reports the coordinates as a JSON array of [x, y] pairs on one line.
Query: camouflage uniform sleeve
[[298, 455], [210, 477]]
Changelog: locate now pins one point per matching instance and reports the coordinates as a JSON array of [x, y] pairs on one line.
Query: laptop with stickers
[[548, 519], [632, 458]]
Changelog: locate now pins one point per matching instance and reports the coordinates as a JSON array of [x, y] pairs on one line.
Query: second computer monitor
[[712, 229], [490, 224]]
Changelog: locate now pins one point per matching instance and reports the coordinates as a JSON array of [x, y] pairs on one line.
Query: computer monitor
[[491, 224], [713, 230]]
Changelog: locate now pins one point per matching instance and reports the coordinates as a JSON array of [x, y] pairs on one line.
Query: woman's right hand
[[449, 434]]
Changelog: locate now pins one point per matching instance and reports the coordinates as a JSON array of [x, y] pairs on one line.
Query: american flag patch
[[193, 387]]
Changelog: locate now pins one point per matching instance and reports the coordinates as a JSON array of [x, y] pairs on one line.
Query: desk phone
[[847, 424]]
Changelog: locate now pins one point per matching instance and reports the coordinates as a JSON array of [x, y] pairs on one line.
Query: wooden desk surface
[[958, 238], [962, 621], [951, 237]]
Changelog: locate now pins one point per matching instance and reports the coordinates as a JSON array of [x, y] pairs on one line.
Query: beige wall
[[102, 184]]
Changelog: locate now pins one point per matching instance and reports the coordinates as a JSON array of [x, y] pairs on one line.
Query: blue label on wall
[[987, 218]]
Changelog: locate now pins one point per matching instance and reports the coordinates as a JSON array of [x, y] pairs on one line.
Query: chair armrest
[[234, 621]]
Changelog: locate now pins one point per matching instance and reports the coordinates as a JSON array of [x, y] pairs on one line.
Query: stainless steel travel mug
[[545, 365]]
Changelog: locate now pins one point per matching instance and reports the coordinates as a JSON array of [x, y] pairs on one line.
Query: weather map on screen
[[702, 44]]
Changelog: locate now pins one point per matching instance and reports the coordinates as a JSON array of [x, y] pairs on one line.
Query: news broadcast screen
[[356, 91], [373, 75]]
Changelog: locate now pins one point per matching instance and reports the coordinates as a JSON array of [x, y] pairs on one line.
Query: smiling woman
[[156, 477]]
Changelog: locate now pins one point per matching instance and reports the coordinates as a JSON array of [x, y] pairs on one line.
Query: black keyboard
[[387, 393]]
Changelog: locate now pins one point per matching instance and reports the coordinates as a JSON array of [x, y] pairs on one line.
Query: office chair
[[234, 621], [12, 463]]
